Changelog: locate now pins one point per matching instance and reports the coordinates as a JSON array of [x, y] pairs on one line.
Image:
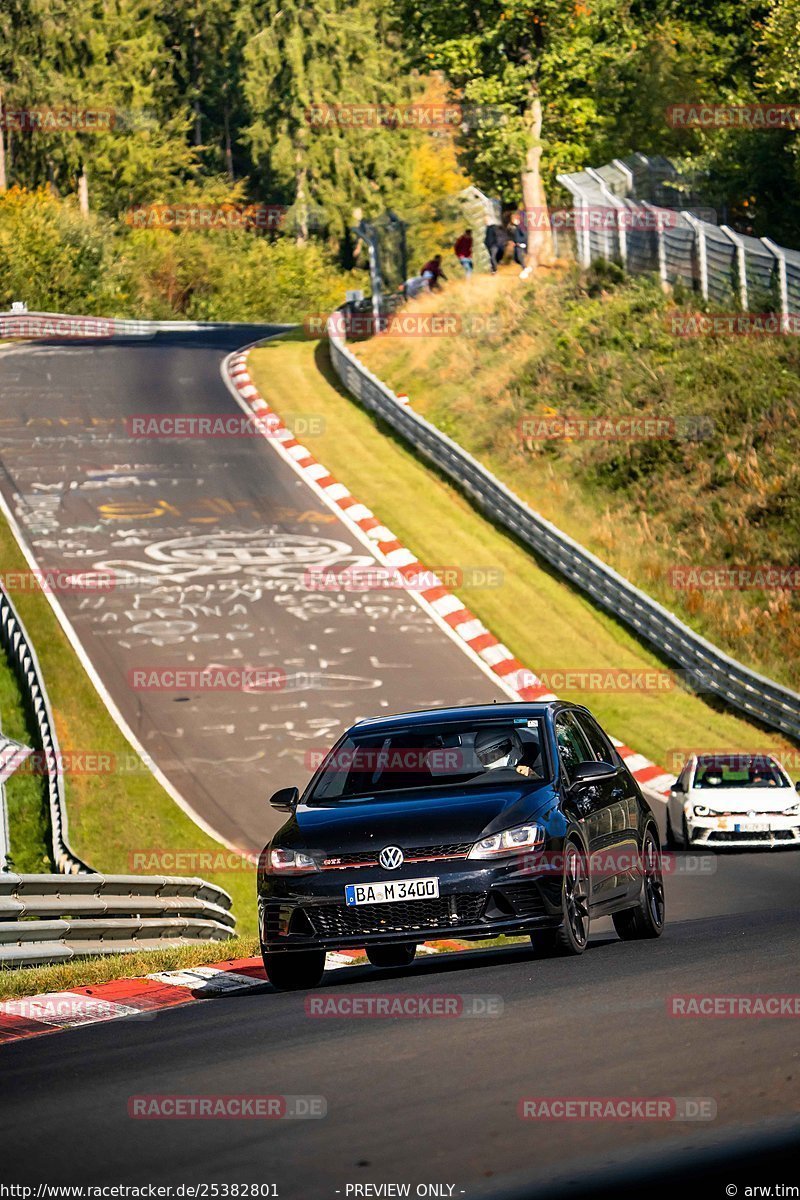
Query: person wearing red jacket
[[463, 251], [432, 272]]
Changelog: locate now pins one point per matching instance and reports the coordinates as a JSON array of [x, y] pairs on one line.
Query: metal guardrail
[[22, 656], [707, 668], [52, 918]]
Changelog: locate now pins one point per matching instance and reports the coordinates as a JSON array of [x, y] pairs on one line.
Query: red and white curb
[[450, 613], [142, 997]]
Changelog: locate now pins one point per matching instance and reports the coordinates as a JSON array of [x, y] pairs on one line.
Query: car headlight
[[702, 810], [794, 811], [511, 841], [291, 862]]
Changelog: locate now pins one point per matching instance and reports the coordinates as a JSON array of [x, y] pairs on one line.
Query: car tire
[[572, 935], [400, 955], [646, 920], [671, 839], [292, 970]]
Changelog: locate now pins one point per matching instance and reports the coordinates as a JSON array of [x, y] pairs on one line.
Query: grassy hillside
[[601, 346], [545, 623]]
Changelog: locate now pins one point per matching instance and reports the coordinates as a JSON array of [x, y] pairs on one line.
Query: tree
[[525, 69], [101, 56], [306, 64]]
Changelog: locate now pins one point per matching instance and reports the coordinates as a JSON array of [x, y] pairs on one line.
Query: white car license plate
[[753, 827], [389, 893]]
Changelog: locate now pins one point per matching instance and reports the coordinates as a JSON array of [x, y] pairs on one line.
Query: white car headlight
[[794, 811], [702, 810], [519, 840], [291, 862]]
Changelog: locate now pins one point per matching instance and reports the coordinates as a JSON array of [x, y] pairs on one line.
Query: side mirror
[[676, 788], [593, 772], [285, 799]]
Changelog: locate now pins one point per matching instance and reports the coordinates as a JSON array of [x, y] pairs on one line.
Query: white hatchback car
[[733, 800]]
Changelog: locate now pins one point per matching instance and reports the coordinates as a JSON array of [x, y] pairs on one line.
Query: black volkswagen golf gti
[[501, 819]]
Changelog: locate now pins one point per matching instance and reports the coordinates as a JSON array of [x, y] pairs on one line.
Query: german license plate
[[390, 893], [753, 827]]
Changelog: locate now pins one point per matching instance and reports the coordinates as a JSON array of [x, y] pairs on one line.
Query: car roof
[[461, 713]]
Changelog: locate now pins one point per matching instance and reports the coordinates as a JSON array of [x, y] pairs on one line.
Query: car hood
[[745, 800], [461, 815]]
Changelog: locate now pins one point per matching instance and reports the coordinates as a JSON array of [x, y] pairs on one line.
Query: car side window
[[602, 749], [573, 747]]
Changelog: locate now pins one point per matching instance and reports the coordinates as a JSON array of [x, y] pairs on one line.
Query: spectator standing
[[495, 240], [519, 238]]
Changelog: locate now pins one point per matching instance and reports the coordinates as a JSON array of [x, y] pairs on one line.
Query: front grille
[[406, 916], [778, 835], [526, 899], [369, 858]]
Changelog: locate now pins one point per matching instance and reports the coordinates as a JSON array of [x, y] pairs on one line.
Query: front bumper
[[309, 912], [741, 831]]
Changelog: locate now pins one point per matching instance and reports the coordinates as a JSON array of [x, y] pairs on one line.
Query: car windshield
[[738, 771], [487, 754]]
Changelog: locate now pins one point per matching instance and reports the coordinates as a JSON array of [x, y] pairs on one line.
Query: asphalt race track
[[409, 1100], [207, 541], [434, 1100]]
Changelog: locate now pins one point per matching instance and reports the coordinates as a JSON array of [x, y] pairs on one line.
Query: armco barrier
[[24, 663], [52, 918], [759, 698]]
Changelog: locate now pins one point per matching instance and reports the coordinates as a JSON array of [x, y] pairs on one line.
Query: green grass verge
[[83, 972], [602, 346], [545, 623], [114, 813], [26, 795]]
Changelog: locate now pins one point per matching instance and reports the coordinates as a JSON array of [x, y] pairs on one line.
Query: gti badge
[[391, 857]]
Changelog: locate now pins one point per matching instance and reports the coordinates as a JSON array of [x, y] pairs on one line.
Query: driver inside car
[[502, 748]]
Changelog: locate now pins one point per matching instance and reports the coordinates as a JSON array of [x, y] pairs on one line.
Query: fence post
[[660, 244], [777, 252], [582, 241], [702, 257], [742, 265], [616, 204], [604, 191], [627, 172]]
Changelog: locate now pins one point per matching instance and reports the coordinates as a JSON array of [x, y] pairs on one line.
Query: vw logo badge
[[391, 857]]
